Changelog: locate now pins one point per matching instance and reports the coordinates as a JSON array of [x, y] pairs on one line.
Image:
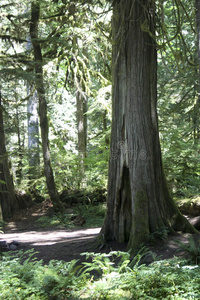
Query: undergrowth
[[93, 215], [55, 220], [103, 276], [191, 249]]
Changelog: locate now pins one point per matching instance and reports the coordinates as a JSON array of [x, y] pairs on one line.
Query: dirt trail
[[53, 243], [67, 244], [50, 243]]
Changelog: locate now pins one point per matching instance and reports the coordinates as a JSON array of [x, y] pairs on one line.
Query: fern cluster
[[191, 249], [105, 276]]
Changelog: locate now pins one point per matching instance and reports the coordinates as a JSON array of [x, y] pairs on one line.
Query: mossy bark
[[138, 198]]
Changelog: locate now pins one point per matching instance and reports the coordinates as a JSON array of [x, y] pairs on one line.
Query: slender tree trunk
[[20, 150], [81, 105], [81, 117], [8, 200], [33, 124], [33, 133], [35, 11], [196, 119], [138, 200], [105, 127]]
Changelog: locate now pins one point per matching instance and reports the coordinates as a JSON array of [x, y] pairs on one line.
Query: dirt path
[[50, 243], [53, 243], [68, 244]]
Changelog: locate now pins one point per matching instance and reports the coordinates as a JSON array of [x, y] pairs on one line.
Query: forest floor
[[68, 244]]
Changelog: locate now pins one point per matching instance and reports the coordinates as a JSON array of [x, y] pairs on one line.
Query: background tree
[[33, 124], [197, 105], [35, 10], [8, 200], [81, 105], [33, 132]]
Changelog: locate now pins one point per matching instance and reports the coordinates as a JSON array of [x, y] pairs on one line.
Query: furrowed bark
[[139, 202]]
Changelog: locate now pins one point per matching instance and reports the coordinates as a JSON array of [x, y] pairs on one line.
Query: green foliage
[[77, 55], [92, 214], [178, 95], [107, 276], [24, 278], [55, 220], [160, 234], [192, 249], [142, 255], [160, 280], [104, 264]]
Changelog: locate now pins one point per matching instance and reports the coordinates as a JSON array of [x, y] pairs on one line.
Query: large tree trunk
[[35, 10], [8, 200], [138, 199]]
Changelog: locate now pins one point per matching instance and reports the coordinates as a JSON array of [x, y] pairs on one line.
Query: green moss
[[140, 224]]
